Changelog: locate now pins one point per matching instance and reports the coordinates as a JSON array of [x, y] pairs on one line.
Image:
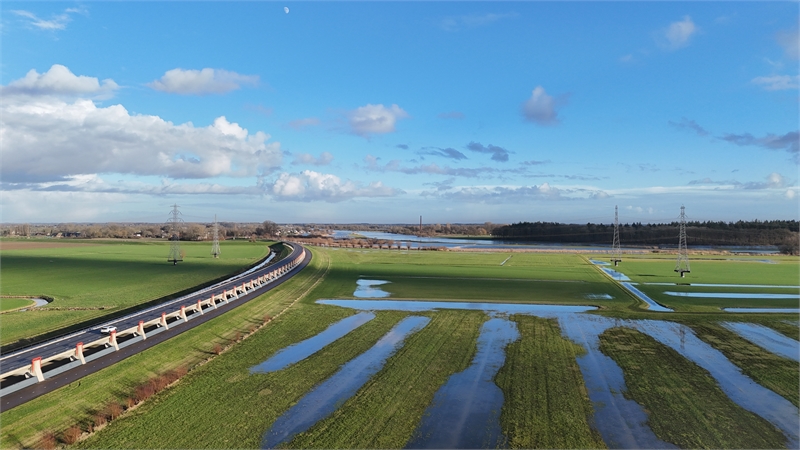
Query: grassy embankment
[[22, 426], [781, 375], [90, 281], [546, 403], [221, 405], [685, 405]]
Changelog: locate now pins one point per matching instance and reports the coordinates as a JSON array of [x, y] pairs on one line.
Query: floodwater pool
[[369, 289], [465, 412], [766, 338], [328, 396], [756, 295]]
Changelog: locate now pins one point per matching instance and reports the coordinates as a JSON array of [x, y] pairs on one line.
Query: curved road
[[60, 345]]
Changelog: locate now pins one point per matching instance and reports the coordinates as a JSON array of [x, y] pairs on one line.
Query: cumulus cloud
[[451, 115], [790, 41], [686, 124], [541, 108], [303, 123], [49, 139], [498, 153], [454, 23], [778, 82], [309, 185], [374, 119], [56, 22], [677, 34], [324, 159], [59, 80], [202, 82], [789, 142], [450, 153]]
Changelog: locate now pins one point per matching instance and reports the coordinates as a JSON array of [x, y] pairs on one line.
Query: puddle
[[619, 276], [651, 304], [731, 295], [599, 263], [465, 412], [37, 302], [766, 338], [725, 285], [367, 289], [333, 392], [420, 305], [598, 296], [739, 388], [302, 350], [762, 310]]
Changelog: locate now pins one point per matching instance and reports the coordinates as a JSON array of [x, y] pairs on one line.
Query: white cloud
[[201, 82], [309, 185], [790, 41], [677, 34], [57, 22], [59, 80], [48, 139], [778, 82], [374, 119], [541, 108], [324, 159]]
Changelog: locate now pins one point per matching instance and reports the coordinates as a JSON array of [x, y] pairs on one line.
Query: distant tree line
[[782, 233]]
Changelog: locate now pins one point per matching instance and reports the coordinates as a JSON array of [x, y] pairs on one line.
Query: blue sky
[[381, 112]]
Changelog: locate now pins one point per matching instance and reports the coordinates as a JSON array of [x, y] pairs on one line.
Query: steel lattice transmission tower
[[616, 250], [682, 265], [215, 246], [174, 236]]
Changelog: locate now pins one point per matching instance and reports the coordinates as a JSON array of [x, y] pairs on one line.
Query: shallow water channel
[[621, 422], [465, 412], [324, 399], [767, 338], [302, 350]]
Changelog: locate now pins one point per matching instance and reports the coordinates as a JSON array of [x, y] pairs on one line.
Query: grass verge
[[685, 405], [546, 402]]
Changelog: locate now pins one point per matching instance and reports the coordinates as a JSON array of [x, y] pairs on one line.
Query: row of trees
[[188, 231], [784, 233]]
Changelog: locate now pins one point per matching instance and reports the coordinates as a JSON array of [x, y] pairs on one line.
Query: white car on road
[[108, 329]]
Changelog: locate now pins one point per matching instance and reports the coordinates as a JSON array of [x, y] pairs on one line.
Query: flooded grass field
[[486, 361]]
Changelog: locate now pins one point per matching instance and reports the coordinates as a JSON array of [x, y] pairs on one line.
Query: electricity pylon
[[174, 236], [616, 250], [682, 265], [215, 246]]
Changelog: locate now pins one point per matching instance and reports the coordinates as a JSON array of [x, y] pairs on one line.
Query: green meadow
[[88, 282], [219, 404]]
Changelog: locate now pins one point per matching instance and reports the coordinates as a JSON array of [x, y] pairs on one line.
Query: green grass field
[[685, 405], [546, 401], [90, 281], [10, 304]]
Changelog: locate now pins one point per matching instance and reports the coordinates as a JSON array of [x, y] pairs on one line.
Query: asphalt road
[[29, 393]]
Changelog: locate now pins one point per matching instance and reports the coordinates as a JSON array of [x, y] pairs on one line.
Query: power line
[[616, 250], [682, 264], [215, 246], [174, 236]]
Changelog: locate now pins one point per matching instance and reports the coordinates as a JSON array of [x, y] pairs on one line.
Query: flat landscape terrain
[[86, 281], [615, 375]]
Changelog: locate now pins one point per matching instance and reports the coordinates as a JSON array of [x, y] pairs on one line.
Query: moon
[[286, 9]]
